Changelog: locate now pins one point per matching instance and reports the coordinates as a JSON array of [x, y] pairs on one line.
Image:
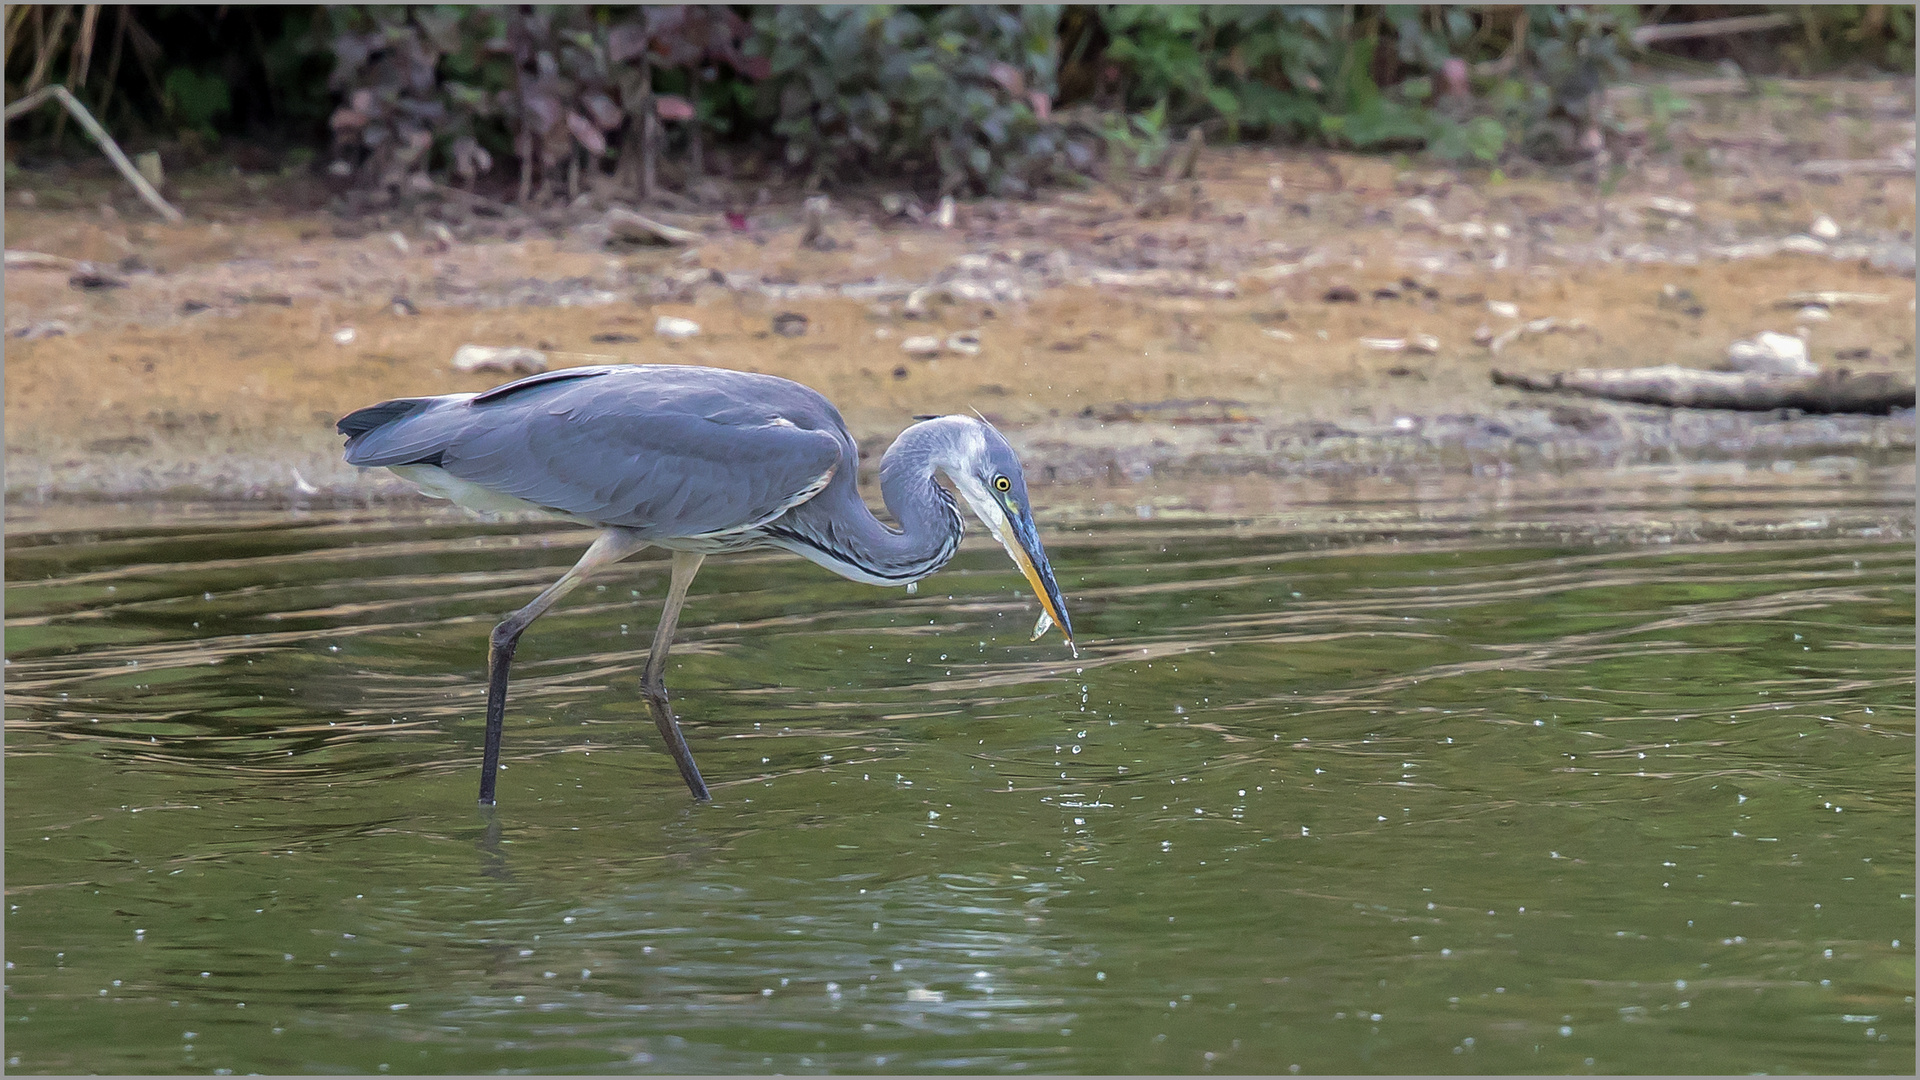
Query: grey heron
[[698, 461]]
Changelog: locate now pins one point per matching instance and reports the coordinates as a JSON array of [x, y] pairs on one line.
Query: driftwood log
[[1839, 391]]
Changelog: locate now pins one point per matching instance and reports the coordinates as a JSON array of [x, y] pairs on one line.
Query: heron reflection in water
[[698, 461]]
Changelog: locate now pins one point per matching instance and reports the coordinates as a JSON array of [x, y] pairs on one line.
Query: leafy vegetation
[[1370, 78], [559, 89], [949, 98], [1831, 35], [963, 93], [186, 73]]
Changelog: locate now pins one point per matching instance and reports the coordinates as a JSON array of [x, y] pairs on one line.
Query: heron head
[[986, 472]]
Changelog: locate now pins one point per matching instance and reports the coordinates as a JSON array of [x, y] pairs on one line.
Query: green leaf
[[1263, 106], [195, 99], [1486, 138], [1153, 120], [1361, 91], [1384, 122]]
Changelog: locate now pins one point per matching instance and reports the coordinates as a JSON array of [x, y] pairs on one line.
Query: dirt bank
[[1236, 323]]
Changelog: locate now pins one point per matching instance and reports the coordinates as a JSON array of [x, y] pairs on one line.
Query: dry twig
[[99, 135]]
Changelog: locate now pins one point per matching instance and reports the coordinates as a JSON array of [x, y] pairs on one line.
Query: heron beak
[[1013, 527], [1024, 546]]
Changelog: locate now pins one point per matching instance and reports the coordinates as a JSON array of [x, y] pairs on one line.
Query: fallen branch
[[642, 229], [1857, 167], [1830, 299], [18, 259], [473, 201], [105, 141], [1539, 326], [1739, 24], [1838, 391], [1165, 282]]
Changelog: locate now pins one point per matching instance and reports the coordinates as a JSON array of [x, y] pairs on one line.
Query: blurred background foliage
[[961, 93], [539, 103]]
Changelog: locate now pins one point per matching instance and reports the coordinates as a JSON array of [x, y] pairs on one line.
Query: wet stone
[[675, 328], [1675, 298], [95, 280], [35, 331], [512, 359]]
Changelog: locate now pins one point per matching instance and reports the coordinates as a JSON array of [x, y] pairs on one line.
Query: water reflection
[[1618, 768]]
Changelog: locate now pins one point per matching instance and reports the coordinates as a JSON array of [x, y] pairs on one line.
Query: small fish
[[1045, 624]]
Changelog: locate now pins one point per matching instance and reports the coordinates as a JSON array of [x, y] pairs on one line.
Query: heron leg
[[685, 565], [609, 547]]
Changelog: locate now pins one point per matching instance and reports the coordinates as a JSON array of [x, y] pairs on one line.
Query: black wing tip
[[926, 416], [360, 421]]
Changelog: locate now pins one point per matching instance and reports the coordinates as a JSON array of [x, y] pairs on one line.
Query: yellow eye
[[1002, 483]]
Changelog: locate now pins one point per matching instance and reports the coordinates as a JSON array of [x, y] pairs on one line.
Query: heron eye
[[1001, 483]]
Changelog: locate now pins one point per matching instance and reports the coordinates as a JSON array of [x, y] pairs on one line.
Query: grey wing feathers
[[666, 450], [542, 379], [406, 431]]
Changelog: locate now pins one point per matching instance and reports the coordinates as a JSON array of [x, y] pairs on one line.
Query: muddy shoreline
[[1241, 324]]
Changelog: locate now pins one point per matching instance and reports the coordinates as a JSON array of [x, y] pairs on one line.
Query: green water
[[1603, 778]]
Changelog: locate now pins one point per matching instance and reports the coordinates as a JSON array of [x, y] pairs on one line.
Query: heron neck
[[838, 531]]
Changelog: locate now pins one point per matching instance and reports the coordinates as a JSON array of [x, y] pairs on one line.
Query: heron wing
[[669, 451]]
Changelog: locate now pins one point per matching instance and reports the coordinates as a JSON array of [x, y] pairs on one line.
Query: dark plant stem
[[45, 42], [627, 166], [696, 155], [113, 63], [523, 145], [145, 52], [649, 131], [82, 60], [79, 61]]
